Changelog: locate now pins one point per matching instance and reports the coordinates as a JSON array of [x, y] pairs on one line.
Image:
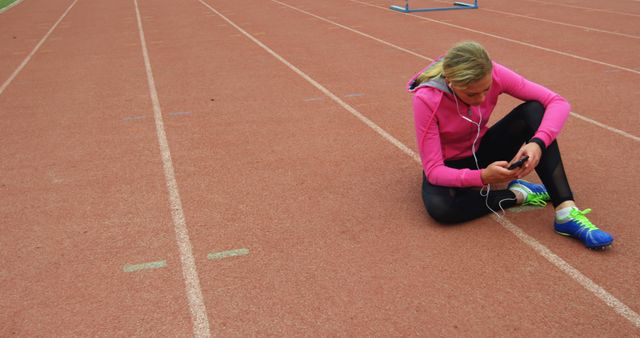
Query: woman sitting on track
[[453, 100]]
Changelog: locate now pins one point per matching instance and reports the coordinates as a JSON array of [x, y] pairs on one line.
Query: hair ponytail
[[465, 63], [431, 73]]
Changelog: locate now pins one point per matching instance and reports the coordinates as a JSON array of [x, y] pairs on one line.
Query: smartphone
[[518, 163]]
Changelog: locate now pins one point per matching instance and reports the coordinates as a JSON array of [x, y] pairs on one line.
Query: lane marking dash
[[144, 266], [180, 113], [133, 118], [229, 253]]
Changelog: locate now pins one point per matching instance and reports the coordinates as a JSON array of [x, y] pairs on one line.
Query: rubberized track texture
[[249, 168]]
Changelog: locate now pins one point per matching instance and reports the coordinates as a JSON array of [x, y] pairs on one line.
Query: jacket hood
[[438, 82]]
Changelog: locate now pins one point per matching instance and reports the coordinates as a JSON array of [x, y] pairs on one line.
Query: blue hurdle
[[456, 5]]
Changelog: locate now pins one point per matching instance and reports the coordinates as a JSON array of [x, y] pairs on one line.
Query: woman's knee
[[526, 118], [534, 106], [439, 202], [441, 212], [533, 111]]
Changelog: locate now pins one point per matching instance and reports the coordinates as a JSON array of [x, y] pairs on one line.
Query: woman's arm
[[556, 107], [430, 147]]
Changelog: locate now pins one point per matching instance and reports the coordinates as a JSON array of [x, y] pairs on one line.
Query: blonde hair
[[464, 63]]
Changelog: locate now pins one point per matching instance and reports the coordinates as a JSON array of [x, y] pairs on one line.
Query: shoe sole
[[599, 247]]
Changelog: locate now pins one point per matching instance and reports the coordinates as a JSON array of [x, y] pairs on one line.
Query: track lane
[[585, 18], [574, 41], [301, 288], [24, 30], [619, 8], [83, 194]]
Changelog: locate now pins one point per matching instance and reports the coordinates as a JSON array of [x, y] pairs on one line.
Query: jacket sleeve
[[556, 107], [429, 144]]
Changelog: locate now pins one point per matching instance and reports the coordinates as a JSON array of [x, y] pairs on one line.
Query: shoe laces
[[580, 218], [538, 199]]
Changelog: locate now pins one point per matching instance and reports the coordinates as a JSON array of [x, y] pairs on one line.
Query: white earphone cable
[[475, 158]]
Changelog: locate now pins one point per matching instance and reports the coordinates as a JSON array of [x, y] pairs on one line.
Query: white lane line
[[523, 208], [572, 272], [189, 272], [590, 9], [555, 51], [586, 119], [35, 49], [144, 266], [591, 29], [602, 125], [324, 90], [213, 256], [565, 267], [355, 31]]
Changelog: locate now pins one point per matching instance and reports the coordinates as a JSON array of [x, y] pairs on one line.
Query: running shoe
[[577, 225], [536, 193]]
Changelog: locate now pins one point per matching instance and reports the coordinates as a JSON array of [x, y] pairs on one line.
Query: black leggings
[[501, 143]]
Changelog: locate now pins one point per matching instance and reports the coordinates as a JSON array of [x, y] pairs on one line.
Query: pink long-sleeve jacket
[[443, 134]]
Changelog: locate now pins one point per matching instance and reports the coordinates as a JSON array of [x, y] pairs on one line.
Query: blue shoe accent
[[577, 225], [536, 193]]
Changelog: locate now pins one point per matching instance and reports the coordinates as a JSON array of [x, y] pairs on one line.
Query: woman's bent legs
[[456, 205], [501, 142]]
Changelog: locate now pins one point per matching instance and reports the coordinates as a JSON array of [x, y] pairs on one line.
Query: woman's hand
[[497, 173], [534, 152]]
